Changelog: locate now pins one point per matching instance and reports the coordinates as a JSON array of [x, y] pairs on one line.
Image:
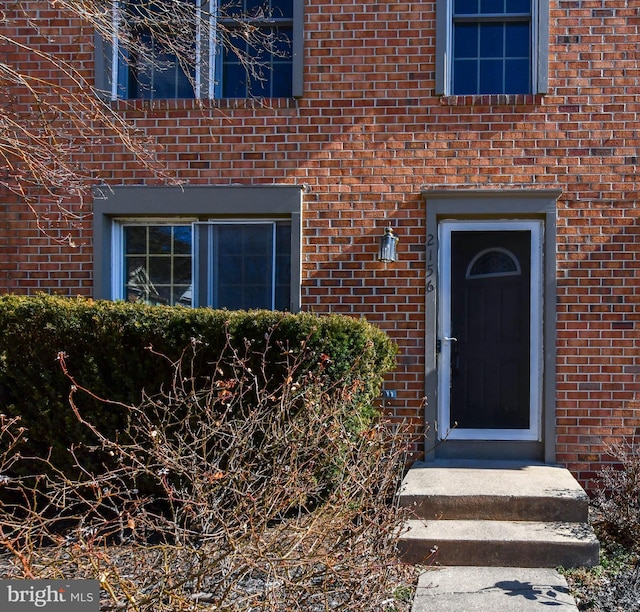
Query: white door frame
[[445, 229]]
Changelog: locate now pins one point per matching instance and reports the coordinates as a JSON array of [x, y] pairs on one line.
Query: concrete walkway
[[494, 589]]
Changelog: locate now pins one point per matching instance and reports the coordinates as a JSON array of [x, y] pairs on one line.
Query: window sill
[[200, 104], [492, 100]]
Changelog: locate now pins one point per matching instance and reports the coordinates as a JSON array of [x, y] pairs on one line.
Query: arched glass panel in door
[[494, 261]]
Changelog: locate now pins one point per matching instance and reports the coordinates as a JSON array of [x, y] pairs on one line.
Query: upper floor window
[[492, 47], [202, 49]]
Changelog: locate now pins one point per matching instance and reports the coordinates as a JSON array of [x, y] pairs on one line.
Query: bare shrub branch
[[54, 118], [229, 489], [617, 498]]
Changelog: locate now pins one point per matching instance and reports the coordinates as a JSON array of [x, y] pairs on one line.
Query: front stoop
[[496, 513]]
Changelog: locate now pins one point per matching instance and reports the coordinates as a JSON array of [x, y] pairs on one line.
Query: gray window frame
[[540, 47], [213, 203]]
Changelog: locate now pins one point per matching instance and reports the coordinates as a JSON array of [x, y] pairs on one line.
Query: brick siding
[[366, 136]]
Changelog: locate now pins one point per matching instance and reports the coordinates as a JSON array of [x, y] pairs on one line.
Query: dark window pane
[[229, 269], [283, 270], [282, 85], [229, 55], [492, 40], [282, 44], [283, 266], [160, 239], [518, 6], [465, 74], [465, 7], [257, 296], [156, 73], [258, 270], [491, 6], [257, 238], [160, 270], [282, 65], [282, 9], [140, 288], [276, 9], [244, 266], [260, 87], [228, 239], [242, 274], [465, 40], [184, 86], [181, 270], [141, 70], [162, 297], [518, 40], [271, 70], [496, 72], [164, 84], [232, 8], [518, 79], [182, 240], [283, 239], [135, 239], [282, 298], [230, 298], [256, 7], [234, 81], [491, 77]]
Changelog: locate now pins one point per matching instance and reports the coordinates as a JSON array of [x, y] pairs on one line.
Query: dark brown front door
[[490, 330]]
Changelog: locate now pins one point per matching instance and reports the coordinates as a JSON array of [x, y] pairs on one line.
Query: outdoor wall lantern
[[388, 243]]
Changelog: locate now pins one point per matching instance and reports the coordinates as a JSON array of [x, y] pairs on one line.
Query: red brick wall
[[34, 241], [369, 133]]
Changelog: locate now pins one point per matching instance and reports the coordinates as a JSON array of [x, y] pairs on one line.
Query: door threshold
[[488, 450]]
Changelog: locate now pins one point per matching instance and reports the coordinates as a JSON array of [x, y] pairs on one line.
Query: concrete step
[[496, 490], [499, 543], [496, 513]]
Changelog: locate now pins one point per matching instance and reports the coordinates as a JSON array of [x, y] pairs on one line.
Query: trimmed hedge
[[105, 344]]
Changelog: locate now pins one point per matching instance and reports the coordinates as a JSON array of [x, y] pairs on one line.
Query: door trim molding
[[472, 205], [536, 367]]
